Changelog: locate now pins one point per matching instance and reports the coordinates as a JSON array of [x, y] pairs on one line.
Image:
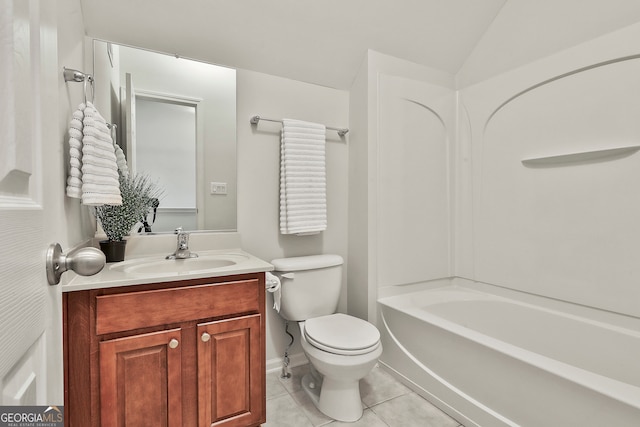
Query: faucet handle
[[178, 230]]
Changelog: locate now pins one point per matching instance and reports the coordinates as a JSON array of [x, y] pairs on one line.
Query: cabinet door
[[230, 380], [141, 380]]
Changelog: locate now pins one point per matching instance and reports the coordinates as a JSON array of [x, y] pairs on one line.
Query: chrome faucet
[[182, 248]]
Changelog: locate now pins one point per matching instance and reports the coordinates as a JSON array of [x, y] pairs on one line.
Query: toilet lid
[[341, 334]]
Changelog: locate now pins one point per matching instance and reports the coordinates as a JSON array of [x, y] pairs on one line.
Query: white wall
[[69, 222], [258, 177], [565, 230], [80, 223]]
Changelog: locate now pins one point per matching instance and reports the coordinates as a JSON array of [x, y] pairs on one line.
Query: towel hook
[[89, 80], [71, 75]]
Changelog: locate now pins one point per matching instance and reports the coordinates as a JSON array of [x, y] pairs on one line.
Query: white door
[[30, 212]]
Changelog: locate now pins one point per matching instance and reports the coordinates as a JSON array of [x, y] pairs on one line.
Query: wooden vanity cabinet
[[183, 354]]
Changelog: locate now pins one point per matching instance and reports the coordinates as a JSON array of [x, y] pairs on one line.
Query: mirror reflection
[[176, 122]]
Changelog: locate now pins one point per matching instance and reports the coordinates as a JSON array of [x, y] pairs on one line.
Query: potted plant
[[138, 194]]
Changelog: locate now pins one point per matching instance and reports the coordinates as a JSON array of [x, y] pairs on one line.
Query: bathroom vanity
[[187, 350]]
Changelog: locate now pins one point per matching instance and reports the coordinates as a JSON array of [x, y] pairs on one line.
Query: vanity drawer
[[133, 310]]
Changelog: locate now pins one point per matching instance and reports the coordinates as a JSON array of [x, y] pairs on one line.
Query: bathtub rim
[[623, 320], [626, 393]]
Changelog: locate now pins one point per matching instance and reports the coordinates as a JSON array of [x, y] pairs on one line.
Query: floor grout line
[[375, 385]]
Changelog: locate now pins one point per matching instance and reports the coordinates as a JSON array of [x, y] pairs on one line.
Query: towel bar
[[255, 119]]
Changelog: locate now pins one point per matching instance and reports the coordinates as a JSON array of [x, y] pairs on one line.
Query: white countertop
[[125, 274]]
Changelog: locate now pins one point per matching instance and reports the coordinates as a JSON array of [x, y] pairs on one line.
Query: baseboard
[[275, 364]]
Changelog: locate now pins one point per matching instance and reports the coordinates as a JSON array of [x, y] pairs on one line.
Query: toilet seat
[[342, 334]]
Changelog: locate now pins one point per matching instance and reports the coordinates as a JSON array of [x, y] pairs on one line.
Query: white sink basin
[[156, 265]]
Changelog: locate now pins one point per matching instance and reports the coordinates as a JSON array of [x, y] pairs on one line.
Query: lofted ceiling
[[324, 42]]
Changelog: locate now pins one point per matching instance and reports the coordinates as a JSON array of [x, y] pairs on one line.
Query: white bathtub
[[488, 360]]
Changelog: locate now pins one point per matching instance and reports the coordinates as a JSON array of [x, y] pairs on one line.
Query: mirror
[[176, 123]]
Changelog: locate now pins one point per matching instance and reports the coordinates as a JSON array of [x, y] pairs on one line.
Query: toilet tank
[[310, 285]]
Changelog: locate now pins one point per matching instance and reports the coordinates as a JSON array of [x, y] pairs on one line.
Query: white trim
[[169, 97], [275, 364]]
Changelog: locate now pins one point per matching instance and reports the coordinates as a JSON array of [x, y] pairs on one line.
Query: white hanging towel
[[121, 160], [303, 185], [100, 184], [74, 180]]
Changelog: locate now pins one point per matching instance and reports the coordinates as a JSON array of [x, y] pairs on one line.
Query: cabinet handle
[[174, 343], [205, 337]]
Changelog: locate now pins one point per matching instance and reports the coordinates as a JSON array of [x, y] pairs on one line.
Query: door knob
[[174, 343], [84, 261], [205, 337]]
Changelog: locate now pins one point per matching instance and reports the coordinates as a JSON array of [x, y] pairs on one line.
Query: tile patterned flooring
[[387, 403]]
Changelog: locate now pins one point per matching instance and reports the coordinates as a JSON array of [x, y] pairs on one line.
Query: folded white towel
[[303, 207], [302, 137], [317, 161], [98, 199], [97, 154], [100, 180], [74, 180], [305, 127], [97, 189], [99, 168]]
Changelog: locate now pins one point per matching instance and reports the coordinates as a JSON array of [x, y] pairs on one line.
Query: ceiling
[[324, 42]]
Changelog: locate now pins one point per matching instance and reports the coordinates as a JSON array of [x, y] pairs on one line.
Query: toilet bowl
[[336, 391], [341, 349]]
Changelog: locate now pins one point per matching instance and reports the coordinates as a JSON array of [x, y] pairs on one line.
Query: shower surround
[[526, 198]]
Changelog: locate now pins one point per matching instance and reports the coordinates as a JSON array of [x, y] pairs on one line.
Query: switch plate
[[218, 188]]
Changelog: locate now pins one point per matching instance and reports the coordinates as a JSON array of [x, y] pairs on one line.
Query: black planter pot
[[113, 249]]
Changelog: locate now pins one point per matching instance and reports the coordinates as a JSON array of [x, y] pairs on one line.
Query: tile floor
[[387, 403]]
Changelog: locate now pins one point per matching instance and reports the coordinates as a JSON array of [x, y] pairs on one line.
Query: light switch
[[218, 188]]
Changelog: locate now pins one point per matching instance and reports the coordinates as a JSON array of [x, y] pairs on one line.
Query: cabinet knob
[[174, 343], [205, 337]]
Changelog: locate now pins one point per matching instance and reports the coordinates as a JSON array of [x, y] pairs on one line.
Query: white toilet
[[342, 349]]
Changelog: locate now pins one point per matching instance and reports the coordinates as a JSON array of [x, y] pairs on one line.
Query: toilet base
[[339, 400]]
